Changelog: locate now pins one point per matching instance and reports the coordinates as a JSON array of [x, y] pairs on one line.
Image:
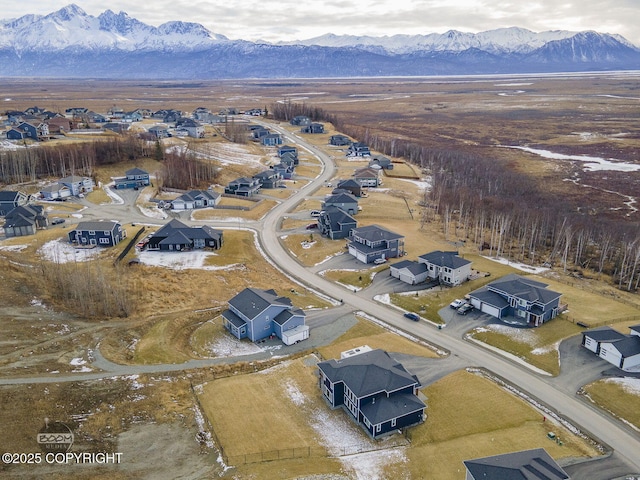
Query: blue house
[[336, 223], [379, 394], [256, 314], [135, 178], [344, 201], [518, 297], [10, 199], [243, 186], [313, 128], [271, 140], [287, 149], [100, 233]]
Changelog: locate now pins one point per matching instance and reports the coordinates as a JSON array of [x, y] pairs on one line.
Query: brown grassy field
[[614, 396]]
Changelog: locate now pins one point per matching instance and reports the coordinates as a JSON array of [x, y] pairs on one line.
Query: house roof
[[375, 233], [190, 233], [524, 288], [285, 315], [491, 298], [340, 198], [29, 211], [73, 179], [56, 187], [9, 196], [100, 225], [369, 373], [366, 172], [604, 334], [350, 182], [445, 259], [415, 268], [136, 171], [635, 328], [534, 464], [628, 346], [335, 217], [252, 301], [386, 408], [233, 318], [176, 238]]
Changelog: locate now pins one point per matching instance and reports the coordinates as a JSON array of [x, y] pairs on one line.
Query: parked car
[[57, 221], [315, 213], [311, 226], [464, 309], [412, 316], [380, 261], [457, 303]]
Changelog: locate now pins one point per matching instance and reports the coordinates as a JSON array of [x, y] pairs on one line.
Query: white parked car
[[315, 213], [380, 261], [457, 303]]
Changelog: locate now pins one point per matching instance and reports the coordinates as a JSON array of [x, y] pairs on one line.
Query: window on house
[[92, 232], [393, 422], [104, 241]]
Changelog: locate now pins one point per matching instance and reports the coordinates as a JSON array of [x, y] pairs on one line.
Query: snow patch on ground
[[421, 184], [629, 385], [183, 260], [228, 346], [81, 363], [517, 265], [117, 199], [12, 248], [59, 251]]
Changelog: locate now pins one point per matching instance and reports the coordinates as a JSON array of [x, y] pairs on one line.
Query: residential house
[[284, 170], [77, 184], [59, 125], [55, 191], [130, 117], [312, 128], [75, 111], [290, 158], [100, 233], [196, 199], [116, 127], [258, 131], [168, 116], [336, 223], [257, 314], [344, 201], [447, 267], [373, 242], [534, 464], [410, 272], [367, 177], [159, 131], [25, 220], [243, 186], [176, 236], [339, 140], [518, 297], [350, 185], [10, 199], [193, 128], [300, 120], [28, 130], [358, 149], [287, 149], [271, 139], [269, 179], [379, 394], [116, 113], [94, 117], [134, 178], [622, 351], [381, 162]]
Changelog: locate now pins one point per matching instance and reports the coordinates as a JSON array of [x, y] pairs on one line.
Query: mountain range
[[71, 43]]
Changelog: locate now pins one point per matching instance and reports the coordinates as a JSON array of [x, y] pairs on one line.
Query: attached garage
[[490, 309], [488, 302]]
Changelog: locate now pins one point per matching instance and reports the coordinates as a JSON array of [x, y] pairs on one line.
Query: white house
[[409, 271], [448, 267], [620, 350]]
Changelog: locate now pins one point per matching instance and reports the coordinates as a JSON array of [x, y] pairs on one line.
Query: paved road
[[557, 394]]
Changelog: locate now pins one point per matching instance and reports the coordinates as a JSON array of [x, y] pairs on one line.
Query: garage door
[[406, 278], [490, 310]]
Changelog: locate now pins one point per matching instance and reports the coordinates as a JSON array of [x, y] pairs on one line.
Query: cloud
[[282, 20]]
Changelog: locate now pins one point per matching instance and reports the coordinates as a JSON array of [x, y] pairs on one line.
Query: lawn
[[312, 248], [257, 211], [356, 278], [620, 396]]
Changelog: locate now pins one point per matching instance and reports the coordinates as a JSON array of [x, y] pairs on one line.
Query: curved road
[[619, 437]]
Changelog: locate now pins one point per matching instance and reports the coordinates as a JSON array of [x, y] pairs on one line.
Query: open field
[[620, 397]]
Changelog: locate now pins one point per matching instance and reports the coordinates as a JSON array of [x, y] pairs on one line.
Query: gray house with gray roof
[[336, 223], [100, 233], [409, 271], [448, 267], [520, 297], [344, 201], [378, 393], [176, 236], [257, 314], [534, 464], [372, 242]]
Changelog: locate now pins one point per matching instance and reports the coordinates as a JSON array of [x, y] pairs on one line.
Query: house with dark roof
[[176, 236], [622, 351], [339, 140], [55, 191], [300, 120], [290, 158], [344, 201], [379, 394], [287, 149], [77, 184], [196, 199], [367, 177], [257, 314], [534, 464], [358, 149], [25, 220], [58, 125], [410, 272], [336, 223], [10, 199], [189, 125], [243, 186], [134, 178], [351, 186], [519, 297], [159, 131], [269, 179], [372, 242], [448, 267], [312, 128], [381, 161], [100, 233], [28, 130], [271, 139]]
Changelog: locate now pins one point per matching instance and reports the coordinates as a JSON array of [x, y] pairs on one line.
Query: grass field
[[318, 248], [619, 396], [358, 279]]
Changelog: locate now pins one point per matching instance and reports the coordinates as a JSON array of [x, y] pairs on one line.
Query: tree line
[[503, 212]]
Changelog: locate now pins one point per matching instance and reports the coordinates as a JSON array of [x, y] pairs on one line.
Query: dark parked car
[[412, 316], [311, 226], [57, 221], [464, 309]]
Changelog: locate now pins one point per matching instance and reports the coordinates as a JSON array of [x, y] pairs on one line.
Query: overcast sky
[[276, 20]]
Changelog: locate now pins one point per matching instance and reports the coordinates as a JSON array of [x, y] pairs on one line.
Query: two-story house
[[10, 199], [336, 223], [379, 394], [373, 242], [243, 186], [100, 233], [77, 184], [134, 178], [269, 179], [358, 149], [447, 267], [518, 297], [312, 128], [344, 201], [367, 177], [256, 314], [25, 220]]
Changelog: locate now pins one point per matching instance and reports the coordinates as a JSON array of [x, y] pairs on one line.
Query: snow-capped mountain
[[71, 27], [71, 43]]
